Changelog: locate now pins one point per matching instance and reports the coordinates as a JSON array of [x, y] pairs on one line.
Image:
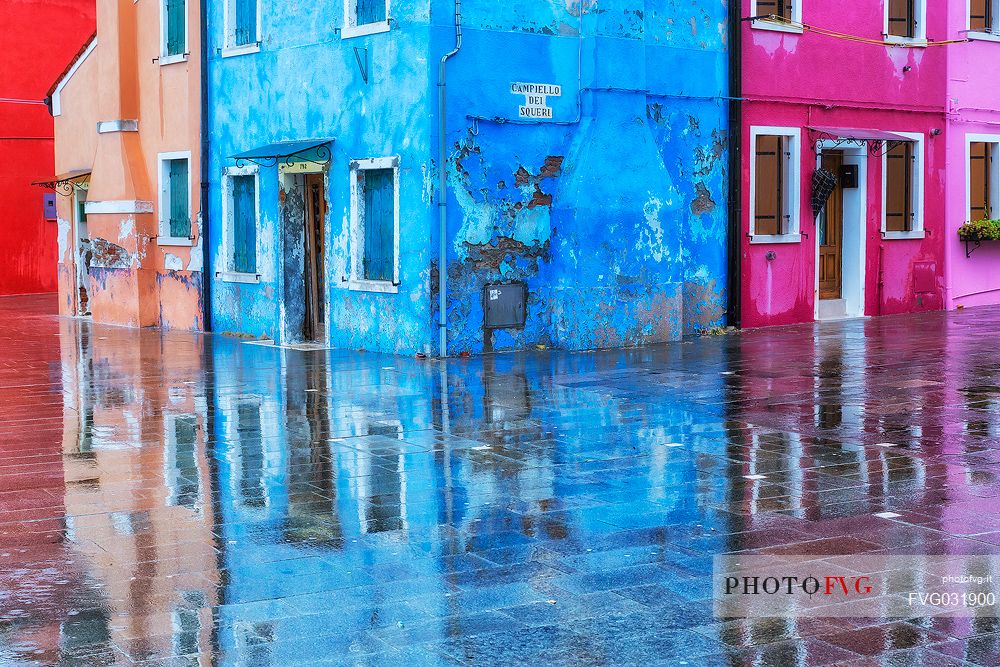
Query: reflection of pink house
[[973, 98], [872, 112]]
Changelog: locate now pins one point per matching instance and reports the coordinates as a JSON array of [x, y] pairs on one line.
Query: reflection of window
[[251, 455], [385, 506], [182, 475], [86, 629], [775, 177], [186, 636]]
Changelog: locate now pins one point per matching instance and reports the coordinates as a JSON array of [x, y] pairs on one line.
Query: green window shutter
[[246, 22], [180, 212], [380, 227], [244, 224], [175, 17]]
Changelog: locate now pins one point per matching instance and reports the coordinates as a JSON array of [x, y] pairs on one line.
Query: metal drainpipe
[[734, 282], [206, 268], [443, 185]]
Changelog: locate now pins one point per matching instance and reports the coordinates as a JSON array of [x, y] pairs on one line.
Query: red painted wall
[[37, 41]]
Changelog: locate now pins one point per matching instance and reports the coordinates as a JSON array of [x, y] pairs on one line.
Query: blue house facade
[[585, 159]]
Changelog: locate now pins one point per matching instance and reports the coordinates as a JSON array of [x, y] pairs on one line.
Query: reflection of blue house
[[363, 502], [585, 150]]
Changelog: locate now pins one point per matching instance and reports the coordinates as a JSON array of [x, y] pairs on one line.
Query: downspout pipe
[[735, 222], [206, 267], [443, 184]]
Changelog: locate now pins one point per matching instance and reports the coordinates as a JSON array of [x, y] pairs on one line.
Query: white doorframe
[[80, 270], [855, 230]]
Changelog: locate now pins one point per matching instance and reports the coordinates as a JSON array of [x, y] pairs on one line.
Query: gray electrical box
[[505, 306]]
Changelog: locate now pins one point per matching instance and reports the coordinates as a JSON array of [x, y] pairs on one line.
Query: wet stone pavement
[[168, 498]]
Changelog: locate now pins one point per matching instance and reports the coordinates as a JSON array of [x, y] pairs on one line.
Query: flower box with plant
[[975, 232], [980, 230]]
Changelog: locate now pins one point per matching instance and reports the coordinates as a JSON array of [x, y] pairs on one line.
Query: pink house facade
[[973, 150], [873, 114]]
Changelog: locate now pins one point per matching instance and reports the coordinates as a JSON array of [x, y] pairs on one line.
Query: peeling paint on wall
[[108, 255]]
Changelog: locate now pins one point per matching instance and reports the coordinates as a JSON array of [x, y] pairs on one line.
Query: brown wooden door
[[315, 215], [831, 233]]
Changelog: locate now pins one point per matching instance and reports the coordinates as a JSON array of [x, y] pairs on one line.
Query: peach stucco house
[[127, 128]]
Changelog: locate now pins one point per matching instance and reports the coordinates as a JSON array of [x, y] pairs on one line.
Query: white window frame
[[351, 27], [357, 280], [764, 24], [228, 225], [793, 179], [170, 458], [164, 59], [163, 202], [230, 405], [920, 8], [229, 47], [993, 139], [994, 34], [917, 190]]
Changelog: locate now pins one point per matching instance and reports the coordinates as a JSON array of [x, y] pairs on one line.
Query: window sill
[[913, 42], [769, 239], [903, 236], [246, 49], [983, 36], [775, 26], [367, 29], [235, 277], [381, 286], [170, 60], [174, 241]]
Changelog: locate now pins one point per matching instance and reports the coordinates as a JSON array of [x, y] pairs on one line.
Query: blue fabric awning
[[289, 152]]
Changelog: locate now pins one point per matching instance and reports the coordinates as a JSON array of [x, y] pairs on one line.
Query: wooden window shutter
[[175, 16], [899, 188], [244, 224], [379, 225], [780, 8], [180, 214], [246, 22], [370, 11], [769, 194], [981, 15], [902, 18], [980, 168]]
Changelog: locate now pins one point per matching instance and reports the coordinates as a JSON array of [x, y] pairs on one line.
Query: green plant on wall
[[980, 230]]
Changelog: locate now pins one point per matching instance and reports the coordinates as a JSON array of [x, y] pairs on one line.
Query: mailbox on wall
[[49, 206], [849, 176]]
